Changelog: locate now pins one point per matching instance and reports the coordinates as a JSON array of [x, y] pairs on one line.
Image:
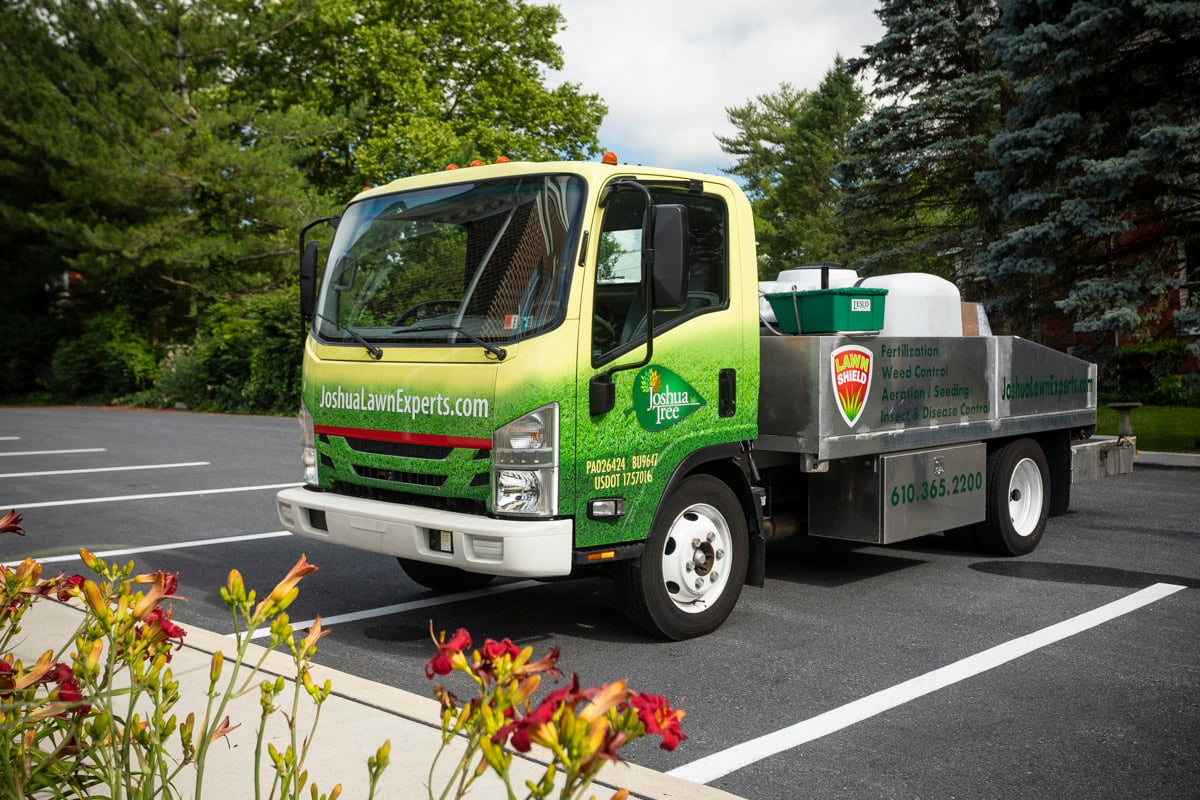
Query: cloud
[[668, 69]]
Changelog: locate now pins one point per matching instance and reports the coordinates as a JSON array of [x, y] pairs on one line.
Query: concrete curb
[[1148, 458], [357, 718]]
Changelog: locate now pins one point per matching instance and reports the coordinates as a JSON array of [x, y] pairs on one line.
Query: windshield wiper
[[372, 350], [499, 352]]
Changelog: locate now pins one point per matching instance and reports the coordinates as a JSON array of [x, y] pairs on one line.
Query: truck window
[[619, 310], [491, 260]]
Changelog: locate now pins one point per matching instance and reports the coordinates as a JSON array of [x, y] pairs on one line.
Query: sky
[[668, 69]]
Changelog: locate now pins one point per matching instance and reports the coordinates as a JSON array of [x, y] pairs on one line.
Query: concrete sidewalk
[[357, 718]]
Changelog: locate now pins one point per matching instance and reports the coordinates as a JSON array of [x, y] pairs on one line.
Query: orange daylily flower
[[37, 673], [285, 591], [162, 587], [308, 645], [11, 523], [610, 696], [224, 729], [545, 665]]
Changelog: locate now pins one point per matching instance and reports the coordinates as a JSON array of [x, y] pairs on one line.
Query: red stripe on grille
[[406, 438]]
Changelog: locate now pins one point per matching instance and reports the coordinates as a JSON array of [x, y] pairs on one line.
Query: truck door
[[685, 398]]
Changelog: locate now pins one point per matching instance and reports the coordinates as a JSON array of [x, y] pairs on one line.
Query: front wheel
[[1018, 499], [691, 572], [441, 578]]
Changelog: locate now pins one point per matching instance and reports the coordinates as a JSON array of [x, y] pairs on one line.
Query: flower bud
[[90, 561], [235, 586]]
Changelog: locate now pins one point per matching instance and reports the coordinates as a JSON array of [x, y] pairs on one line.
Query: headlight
[[525, 464], [308, 438]]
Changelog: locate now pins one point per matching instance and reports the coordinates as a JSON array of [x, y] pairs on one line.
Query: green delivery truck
[[555, 369]]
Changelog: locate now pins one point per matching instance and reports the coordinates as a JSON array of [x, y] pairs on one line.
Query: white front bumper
[[530, 548]]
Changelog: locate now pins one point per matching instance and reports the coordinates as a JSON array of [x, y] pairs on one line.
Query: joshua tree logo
[[661, 398]]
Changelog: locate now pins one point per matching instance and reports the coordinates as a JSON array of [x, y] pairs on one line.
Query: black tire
[[1057, 447], [702, 523], [441, 578], [1018, 499]]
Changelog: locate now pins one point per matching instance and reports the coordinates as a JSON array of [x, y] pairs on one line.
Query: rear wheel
[[441, 578], [691, 572], [1018, 499]]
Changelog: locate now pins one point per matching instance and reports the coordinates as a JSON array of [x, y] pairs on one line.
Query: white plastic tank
[[918, 304], [801, 279]]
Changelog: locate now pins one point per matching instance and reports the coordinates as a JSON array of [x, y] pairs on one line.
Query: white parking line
[[57, 452], [10, 438], [156, 548], [83, 501], [718, 765], [399, 608], [102, 469]]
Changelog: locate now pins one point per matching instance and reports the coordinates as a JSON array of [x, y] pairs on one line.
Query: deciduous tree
[[787, 146]]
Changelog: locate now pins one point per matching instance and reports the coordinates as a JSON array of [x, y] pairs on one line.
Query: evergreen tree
[[787, 146], [1098, 173], [158, 159], [912, 202], [138, 177]]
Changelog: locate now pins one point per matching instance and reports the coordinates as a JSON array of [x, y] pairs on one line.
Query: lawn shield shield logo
[[661, 398], [851, 380]]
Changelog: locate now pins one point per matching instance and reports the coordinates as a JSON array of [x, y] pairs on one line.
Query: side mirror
[[670, 275], [308, 278]]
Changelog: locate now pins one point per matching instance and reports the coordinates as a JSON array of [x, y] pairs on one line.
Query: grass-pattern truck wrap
[[553, 369]]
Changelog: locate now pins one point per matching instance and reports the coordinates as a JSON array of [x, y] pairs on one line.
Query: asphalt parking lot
[[907, 671]]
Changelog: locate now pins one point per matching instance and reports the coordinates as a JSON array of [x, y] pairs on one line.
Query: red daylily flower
[[660, 719], [62, 587], [613, 741], [440, 664], [492, 650], [68, 690], [486, 666], [159, 628], [521, 729]]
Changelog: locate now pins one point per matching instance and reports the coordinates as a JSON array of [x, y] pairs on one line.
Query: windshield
[[472, 262]]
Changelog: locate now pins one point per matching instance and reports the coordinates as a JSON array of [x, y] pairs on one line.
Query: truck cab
[[509, 366]]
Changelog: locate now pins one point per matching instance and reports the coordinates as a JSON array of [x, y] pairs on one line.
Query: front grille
[[398, 476], [399, 449], [456, 504]]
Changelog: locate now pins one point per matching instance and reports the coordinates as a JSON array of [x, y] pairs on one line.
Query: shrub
[[23, 362], [1151, 373], [108, 359], [245, 358]]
